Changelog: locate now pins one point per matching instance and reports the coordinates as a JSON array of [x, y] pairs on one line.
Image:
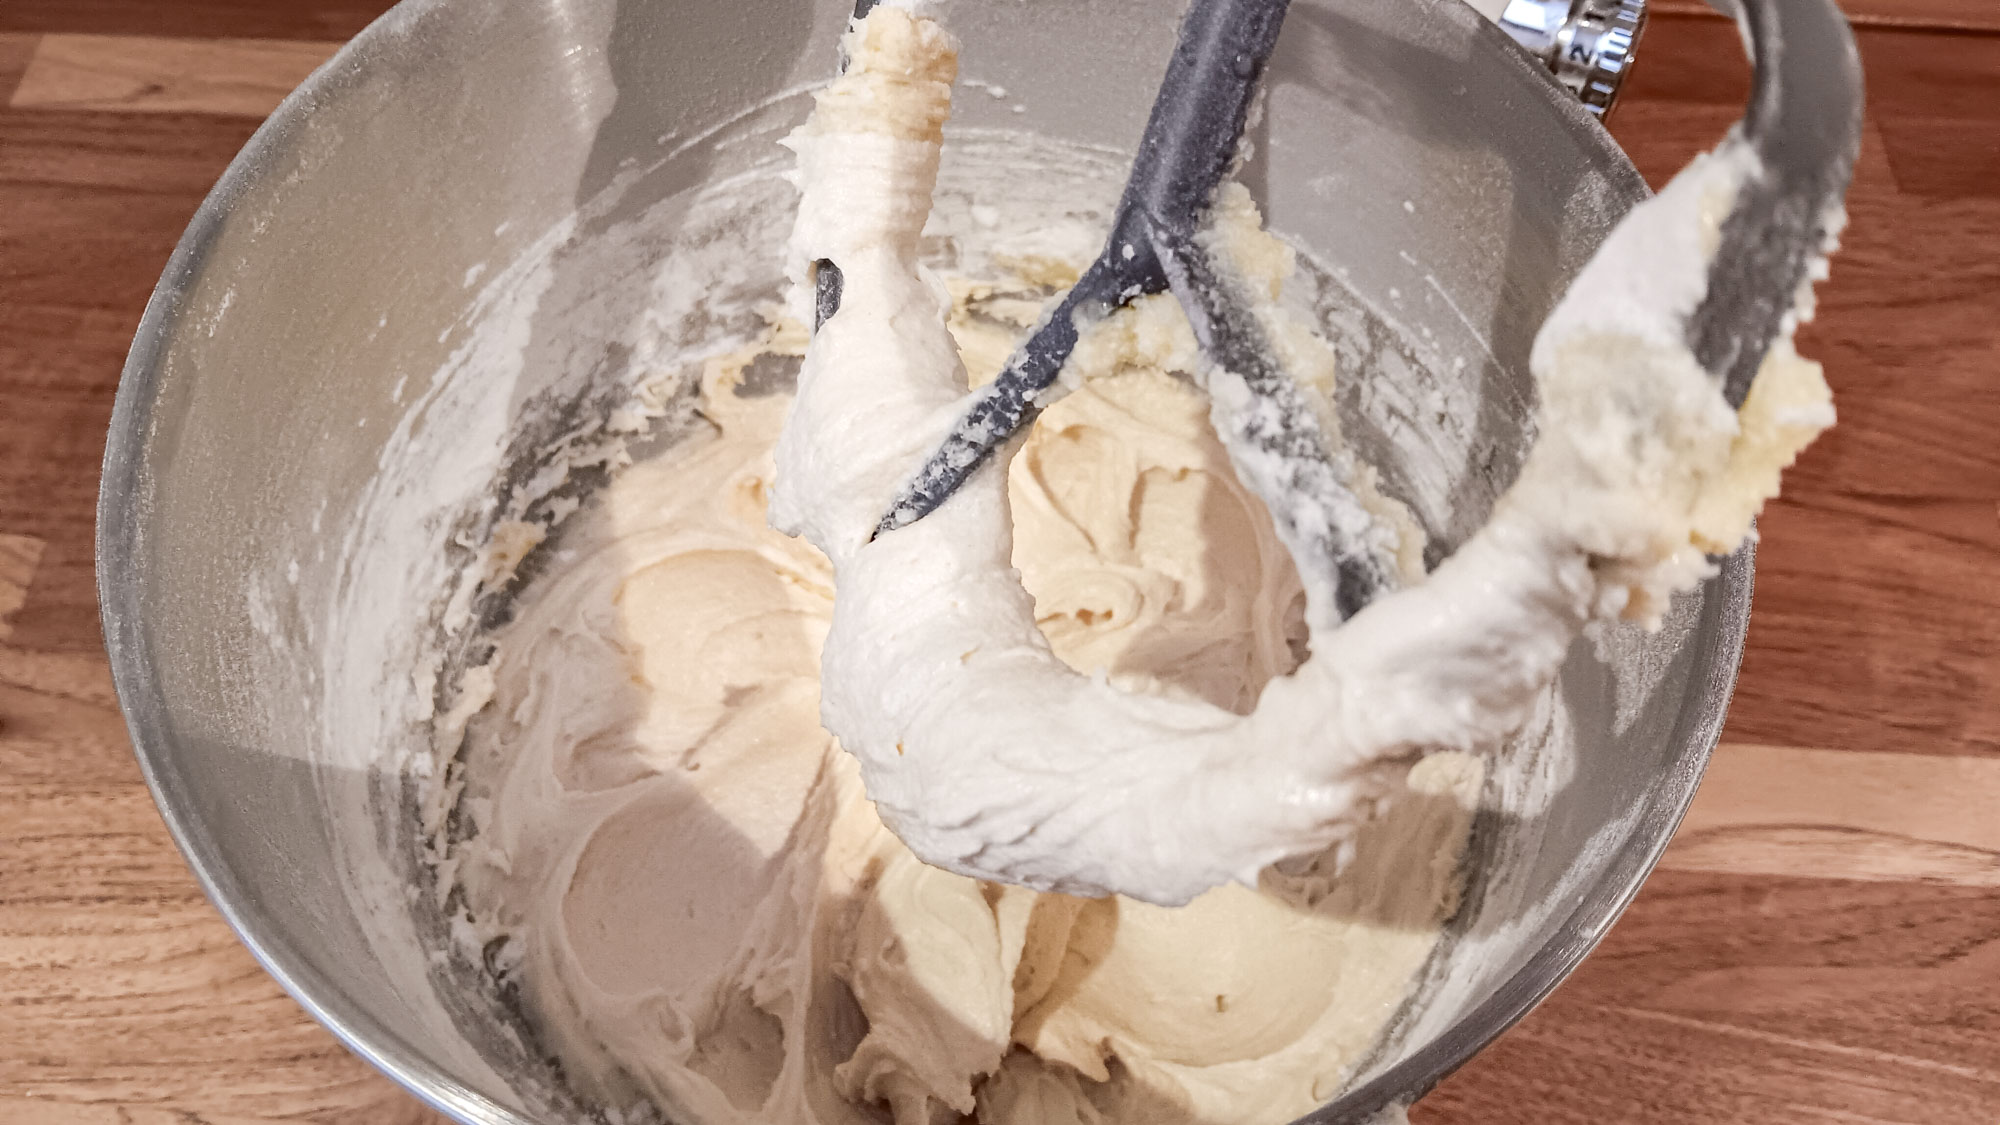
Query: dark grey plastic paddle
[[1803, 121]]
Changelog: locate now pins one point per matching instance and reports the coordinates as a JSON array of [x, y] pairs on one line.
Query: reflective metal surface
[[1437, 170], [1589, 45]]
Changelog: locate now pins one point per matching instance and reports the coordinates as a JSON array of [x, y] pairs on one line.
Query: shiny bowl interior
[[1447, 183]]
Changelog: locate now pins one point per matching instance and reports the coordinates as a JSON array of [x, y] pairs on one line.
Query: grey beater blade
[[1804, 123], [1191, 140]]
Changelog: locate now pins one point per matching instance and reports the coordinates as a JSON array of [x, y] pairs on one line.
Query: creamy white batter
[[703, 908], [991, 757]]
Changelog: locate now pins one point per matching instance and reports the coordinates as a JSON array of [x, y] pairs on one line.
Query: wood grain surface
[[145, 74], [1821, 944]]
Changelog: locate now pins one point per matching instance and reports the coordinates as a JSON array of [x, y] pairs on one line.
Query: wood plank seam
[[20, 555], [1962, 17], [1843, 814], [141, 74]]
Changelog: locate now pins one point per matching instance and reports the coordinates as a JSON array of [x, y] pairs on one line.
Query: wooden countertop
[[1821, 945]]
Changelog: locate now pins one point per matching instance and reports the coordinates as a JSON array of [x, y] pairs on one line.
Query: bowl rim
[[128, 643], [128, 646]]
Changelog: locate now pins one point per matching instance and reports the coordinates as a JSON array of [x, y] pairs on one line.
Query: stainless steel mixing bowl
[[1445, 178]]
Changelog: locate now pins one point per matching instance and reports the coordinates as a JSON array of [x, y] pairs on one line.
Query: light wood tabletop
[[1821, 944]]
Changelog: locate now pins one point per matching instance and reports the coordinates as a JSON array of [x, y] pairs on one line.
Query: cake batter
[[684, 874]]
